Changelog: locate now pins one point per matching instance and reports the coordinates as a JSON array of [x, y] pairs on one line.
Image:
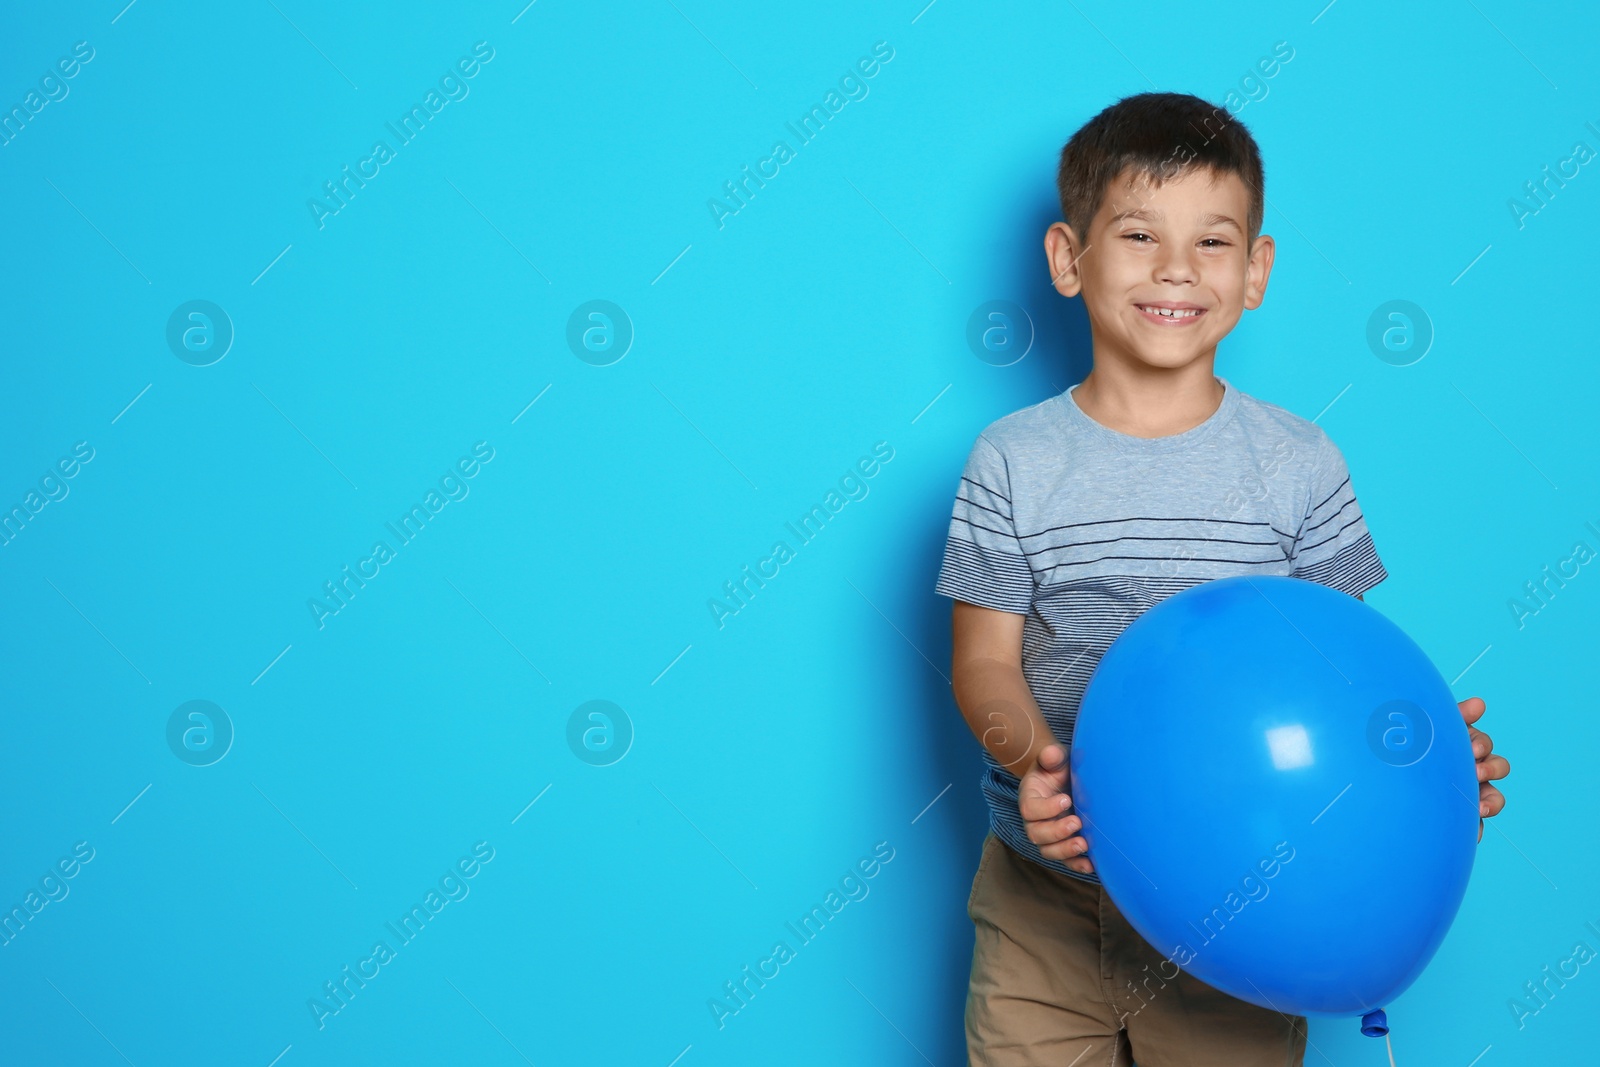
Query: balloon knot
[[1375, 1023]]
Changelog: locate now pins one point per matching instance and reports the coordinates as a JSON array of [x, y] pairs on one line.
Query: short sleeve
[[983, 561], [1333, 546]]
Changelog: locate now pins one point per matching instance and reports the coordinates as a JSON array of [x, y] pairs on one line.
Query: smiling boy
[[1075, 515]]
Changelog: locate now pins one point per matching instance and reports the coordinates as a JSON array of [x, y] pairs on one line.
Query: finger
[[1063, 850], [1035, 784], [1482, 743], [1040, 781], [1472, 709], [1052, 832], [1480, 830], [1082, 864], [1494, 767], [1052, 765], [1491, 801], [1048, 806]]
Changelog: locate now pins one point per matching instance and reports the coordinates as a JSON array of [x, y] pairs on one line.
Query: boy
[[1075, 515]]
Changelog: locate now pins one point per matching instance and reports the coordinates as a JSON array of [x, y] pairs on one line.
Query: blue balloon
[[1279, 793]]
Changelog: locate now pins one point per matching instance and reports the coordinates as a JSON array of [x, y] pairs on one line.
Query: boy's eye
[[1139, 237]]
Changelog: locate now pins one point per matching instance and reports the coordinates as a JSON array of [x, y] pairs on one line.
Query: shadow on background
[[1060, 357]]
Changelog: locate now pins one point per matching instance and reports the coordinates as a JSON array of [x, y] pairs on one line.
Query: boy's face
[[1180, 247]]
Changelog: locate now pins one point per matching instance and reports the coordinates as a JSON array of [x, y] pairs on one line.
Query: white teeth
[[1172, 313]]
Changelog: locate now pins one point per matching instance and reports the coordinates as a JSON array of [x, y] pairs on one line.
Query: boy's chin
[[1167, 357]]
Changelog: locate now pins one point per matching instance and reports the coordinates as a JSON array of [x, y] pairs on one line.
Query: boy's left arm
[[1490, 766]]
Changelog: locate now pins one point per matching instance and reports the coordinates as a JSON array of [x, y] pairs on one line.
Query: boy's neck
[[1145, 401]]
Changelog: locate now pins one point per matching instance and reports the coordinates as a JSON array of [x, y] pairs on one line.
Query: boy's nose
[[1177, 266]]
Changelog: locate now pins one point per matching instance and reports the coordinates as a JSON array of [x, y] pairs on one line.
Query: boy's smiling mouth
[[1170, 313]]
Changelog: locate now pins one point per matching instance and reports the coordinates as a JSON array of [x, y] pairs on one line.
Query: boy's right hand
[[1043, 798]]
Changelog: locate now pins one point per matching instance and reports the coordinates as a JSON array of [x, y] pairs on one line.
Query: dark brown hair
[[1159, 135]]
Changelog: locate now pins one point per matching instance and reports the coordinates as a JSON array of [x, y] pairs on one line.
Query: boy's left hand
[[1490, 766]]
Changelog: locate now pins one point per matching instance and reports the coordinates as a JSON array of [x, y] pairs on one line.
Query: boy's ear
[[1063, 249], [1257, 272]]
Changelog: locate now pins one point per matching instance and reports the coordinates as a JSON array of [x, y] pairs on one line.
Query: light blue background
[[824, 317]]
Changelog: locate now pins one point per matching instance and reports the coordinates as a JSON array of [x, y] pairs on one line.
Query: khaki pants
[[1059, 979]]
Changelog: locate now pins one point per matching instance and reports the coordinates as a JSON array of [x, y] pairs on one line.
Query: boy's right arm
[[994, 698]]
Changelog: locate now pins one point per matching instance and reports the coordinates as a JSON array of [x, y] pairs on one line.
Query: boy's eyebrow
[[1221, 220], [1145, 215]]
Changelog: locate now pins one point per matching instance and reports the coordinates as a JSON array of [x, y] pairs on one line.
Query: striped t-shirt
[[1081, 528]]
